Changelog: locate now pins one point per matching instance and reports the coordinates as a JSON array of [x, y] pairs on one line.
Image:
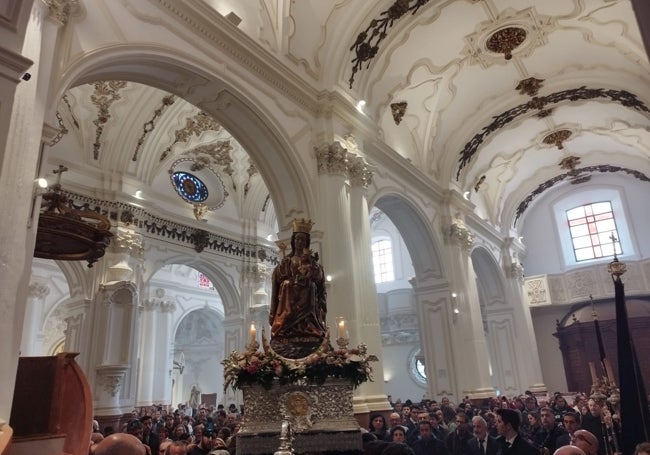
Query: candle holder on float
[[342, 340]]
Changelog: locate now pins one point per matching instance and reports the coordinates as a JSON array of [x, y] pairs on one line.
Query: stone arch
[[417, 235], [489, 279], [247, 120], [223, 281]]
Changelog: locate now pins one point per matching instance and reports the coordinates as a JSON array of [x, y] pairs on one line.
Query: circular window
[[417, 369], [189, 187]]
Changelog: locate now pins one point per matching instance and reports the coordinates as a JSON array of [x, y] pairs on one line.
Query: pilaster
[[34, 316], [469, 347]]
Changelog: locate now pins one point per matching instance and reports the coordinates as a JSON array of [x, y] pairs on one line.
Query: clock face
[[189, 187]]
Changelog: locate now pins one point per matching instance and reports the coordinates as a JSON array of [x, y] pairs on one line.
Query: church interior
[[471, 168]]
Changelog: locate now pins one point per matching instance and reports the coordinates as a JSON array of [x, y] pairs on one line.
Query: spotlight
[[41, 182]]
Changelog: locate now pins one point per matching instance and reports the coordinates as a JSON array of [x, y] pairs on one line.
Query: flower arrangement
[[265, 367]]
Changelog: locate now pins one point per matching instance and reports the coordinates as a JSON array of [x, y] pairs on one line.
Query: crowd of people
[[521, 425], [202, 431]]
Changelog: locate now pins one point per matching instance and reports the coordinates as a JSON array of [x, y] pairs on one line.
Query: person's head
[[198, 431], [479, 427], [176, 448], [560, 402], [586, 441], [569, 450], [206, 440], [507, 423], [533, 419], [594, 408], [135, 428], [461, 423], [423, 417], [179, 430], [406, 410], [398, 434], [377, 422], [147, 424], [571, 422], [425, 429], [119, 444], [547, 418], [445, 401], [530, 403], [394, 419], [163, 433], [642, 449]]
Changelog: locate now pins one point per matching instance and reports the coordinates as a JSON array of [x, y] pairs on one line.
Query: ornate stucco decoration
[[529, 86], [38, 291], [398, 110], [516, 270], [458, 233], [506, 40], [569, 175], [194, 126], [569, 163], [557, 138], [622, 97], [359, 170], [366, 45], [129, 241], [149, 126], [201, 240], [105, 94], [522, 31], [332, 158], [62, 10]]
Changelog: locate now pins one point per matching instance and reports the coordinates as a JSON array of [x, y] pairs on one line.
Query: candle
[[341, 326], [253, 332]]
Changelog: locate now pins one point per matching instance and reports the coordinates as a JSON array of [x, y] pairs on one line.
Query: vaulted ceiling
[[503, 100]]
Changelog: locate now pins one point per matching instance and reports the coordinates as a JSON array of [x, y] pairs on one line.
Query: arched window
[[593, 229], [382, 259]]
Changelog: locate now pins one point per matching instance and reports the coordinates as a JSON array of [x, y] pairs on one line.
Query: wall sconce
[[454, 311]]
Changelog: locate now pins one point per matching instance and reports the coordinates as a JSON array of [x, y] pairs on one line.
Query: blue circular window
[[189, 187]]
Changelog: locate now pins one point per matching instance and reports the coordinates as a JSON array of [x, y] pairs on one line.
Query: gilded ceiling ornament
[[478, 184], [557, 138], [544, 113], [195, 125], [569, 162], [621, 97], [398, 110], [366, 45], [581, 175], [506, 40], [149, 126], [105, 94], [529, 86]]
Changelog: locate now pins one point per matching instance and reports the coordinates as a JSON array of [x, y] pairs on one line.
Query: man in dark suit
[[512, 443], [551, 431], [571, 421], [482, 443], [427, 444]]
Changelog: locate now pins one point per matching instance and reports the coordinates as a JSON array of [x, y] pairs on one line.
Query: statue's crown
[[302, 225]]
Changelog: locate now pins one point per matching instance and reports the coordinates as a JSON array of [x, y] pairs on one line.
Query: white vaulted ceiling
[[466, 124]]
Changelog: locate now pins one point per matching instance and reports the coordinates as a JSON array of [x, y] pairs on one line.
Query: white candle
[[341, 326], [253, 332]]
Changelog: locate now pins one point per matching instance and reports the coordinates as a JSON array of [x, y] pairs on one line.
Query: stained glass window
[[189, 187], [204, 282], [592, 228]]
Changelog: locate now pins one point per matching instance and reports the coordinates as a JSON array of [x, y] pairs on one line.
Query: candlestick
[[609, 371], [341, 327], [253, 332]]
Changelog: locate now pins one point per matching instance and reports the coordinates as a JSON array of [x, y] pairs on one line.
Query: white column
[[334, 226], [34, 316], [235, 340], [468, 339], [529, 368], [32, 38], [163, 354], [372, 393], [148, 345]]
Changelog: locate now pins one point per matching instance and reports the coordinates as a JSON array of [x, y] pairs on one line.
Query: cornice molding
[[13, 65], [209, 24]]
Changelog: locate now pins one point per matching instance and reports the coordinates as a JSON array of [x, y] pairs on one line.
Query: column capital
[[38, 290], [332, 158], [62, 10], [457, 233], [359, 170], [127, 240], [167, 306]]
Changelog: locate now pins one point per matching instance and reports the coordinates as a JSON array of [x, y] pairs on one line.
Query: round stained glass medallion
[[189, 187]]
